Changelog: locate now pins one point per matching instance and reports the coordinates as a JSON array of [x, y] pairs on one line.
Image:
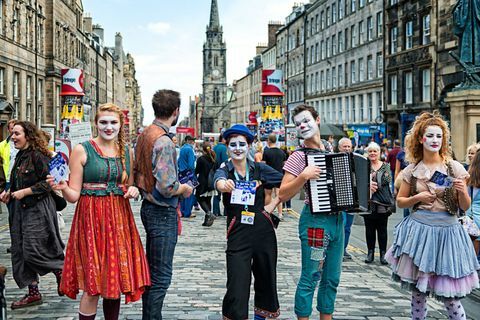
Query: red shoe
[[27, 301]]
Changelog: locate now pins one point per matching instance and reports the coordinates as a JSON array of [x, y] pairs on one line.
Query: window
[[345, 74], [322, 80], [39, 116], [340, 9], [408, 88], [353, 37], [1, 16], [215, 61], [317, 83], [340, 42], [426, 85], [329, 79], [57, 105], [334, 78], [15, 23], [334, 45], [379, 104], [317, 53], [322, 18], [29, 112], [426, 29], [340, 75], [334, 13], [317, 23], [354, 109], [393, 2], [361, 69], [370, 107], [369, 67], [347, 109], [393, 40], [340, 111], [369, 29], [361, 108], [327, 47], [328, 16], [379, 65], [40, 90], [16, 105], [322, 110], [346, 39], [16, 79], [312, 26], [353, 77], [29, 87], [379, 24], [352, 7], [322, 48], [308, 86], [361, 3], [216, 96], [393, 90], [312, 53], [409, 35], [361, 31], [2, 81]]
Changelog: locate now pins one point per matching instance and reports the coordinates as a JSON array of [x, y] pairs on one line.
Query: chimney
[[273, 27], [98, 30], [119, 48], [87, 24]]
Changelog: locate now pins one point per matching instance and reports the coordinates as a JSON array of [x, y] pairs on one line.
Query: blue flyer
[[58, 168], [244, 193]]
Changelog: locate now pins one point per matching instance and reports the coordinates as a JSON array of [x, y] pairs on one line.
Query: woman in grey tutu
[[431, 253]]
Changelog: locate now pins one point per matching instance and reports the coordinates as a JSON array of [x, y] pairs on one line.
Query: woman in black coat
[[204, 192]]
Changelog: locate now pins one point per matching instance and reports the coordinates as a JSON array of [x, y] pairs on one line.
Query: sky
[[166, 38]]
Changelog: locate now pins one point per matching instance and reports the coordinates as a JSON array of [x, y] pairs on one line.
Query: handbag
[[60, 202], [470, 226]]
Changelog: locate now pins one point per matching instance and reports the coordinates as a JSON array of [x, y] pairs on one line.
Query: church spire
[[214, 20]]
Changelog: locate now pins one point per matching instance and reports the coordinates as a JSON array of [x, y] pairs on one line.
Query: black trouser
[[251, 248], [376, 225], [205, 203]]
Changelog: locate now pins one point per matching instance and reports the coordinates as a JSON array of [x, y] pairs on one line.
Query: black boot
[[382, 258], [209, 218], [369, 258]]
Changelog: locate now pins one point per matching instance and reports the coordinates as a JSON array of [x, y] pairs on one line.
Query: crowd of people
[[432, 253]]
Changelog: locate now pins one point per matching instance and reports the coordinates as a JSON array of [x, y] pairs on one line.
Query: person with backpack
[[381, 204], [206, 166]]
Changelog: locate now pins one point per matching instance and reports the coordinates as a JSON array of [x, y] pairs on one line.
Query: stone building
[[344, 64], [214, 74], [419, 71], [133, 99]]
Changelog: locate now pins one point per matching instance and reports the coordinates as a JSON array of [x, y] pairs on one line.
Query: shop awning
[[6, 107]]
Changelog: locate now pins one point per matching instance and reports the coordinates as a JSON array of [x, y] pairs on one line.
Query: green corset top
[[102, 175]]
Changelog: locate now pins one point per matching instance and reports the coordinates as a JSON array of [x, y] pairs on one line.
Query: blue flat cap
[[239, 129]]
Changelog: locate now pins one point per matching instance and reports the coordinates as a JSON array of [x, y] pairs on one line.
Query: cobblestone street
[[198, 284]]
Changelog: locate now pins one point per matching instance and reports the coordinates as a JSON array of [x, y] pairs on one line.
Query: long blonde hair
[[121, 140]]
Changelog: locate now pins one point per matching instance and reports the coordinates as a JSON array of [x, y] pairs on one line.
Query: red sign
[[72, 82], [252, 117], [272, 82], [186, 130]]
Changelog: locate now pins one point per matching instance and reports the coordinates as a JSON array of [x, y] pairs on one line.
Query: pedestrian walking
[[204, 192], [381, 204], [251, 239], [221, 156], [321, 235], [156, 176], [104, 256], [258, 152], [473, 183], [186, 166], [275, 158], [431, 252], [8, 152], [37, 248], [345, 145], [471, 151]]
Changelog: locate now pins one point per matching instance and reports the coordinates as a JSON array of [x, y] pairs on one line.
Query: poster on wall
[[272, 82], [72, 82], [272, 118]]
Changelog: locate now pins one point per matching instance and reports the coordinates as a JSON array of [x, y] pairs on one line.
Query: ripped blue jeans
[[322, 238]]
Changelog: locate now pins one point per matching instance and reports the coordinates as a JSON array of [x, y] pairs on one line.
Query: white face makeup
[[432, 138], [306, 125], [108, 127], [238, 147]]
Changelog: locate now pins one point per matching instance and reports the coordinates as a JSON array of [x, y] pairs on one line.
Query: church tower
[[214, 73]]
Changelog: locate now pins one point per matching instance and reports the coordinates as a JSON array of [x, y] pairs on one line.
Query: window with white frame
[[328, 16], [312, 26], [408, 88], [379, 103], [317, 82], [361, 70], [393, 90], [322, 80], [369, 29], [426, 29], [340, 9], [426, 85], [345, 42], [322, 48], [334, 45], [340, 75], [379, 64], [361, 3], [312, 52], [2, 81], [29, 87], [361, 31], [322, 103], [347, 109], [354, 108], [317, 53], [29, 112], [328, 79], [340, 111], [408, 35], [334, 78], [370, 107], [345, 74], [16, 80], [352, 6], [307, 80], [369, 67], [317, 23], [16, 106], [2, 3], [361, 107], [393, 39], [353, 31], [39, 116], [353, 77], [322, 18], [327, 47], [340, 42], [379, 24], [334, 13]]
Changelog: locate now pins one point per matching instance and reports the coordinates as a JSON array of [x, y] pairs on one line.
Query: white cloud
[[159, 27]]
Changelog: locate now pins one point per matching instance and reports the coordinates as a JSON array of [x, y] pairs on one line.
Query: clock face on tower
[[215, 73]]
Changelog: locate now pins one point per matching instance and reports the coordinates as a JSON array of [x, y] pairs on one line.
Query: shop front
[[362, 134]]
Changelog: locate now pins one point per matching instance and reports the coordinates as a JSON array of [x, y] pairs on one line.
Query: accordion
[[344, 184]]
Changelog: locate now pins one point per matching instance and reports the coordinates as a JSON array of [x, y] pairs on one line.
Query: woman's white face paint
[[432, 138], [306, 125], [238, 147], [108, 127]]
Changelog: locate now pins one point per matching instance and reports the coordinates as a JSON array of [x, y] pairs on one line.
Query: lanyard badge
[[244, 194]]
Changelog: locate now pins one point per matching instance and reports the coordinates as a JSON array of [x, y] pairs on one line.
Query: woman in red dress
[[104, 256]]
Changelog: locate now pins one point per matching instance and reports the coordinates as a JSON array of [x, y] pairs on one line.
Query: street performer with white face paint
[[104, 256], [251, 239], [432, 254], [321, 235]]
